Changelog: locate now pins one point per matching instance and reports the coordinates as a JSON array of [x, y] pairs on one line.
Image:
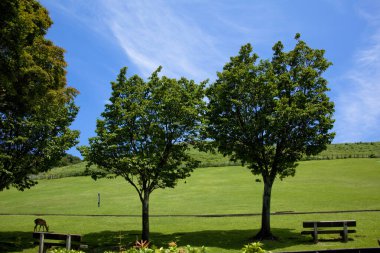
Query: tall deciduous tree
[[36, 106], [145, 132], [268, 114]]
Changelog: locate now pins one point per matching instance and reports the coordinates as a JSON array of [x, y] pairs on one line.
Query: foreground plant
[[142, 244], [254, 247], [62, 250], [143, 247]]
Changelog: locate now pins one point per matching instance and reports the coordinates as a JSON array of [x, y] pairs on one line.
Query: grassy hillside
[[218, 190], [179, 214], [351, 150], [334, 151]]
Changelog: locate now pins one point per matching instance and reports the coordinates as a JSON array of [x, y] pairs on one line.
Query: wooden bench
[[329, 227], [47, 240]]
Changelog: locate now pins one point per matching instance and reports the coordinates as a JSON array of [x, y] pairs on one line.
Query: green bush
[[62, 250], [133, 250], [254, 247], [143, 247]]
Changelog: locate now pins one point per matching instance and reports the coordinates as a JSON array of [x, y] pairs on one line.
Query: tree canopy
[[145, 132], [36, 106], [269, 113]]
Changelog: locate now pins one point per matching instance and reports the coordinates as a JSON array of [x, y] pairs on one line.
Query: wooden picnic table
[[47, 240], [329, 227]]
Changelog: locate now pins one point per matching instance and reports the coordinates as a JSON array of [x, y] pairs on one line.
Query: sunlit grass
[[334, 185]]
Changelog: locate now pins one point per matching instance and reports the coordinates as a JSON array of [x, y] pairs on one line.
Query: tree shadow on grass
[[225, 239], [15, 241], [286, 240]]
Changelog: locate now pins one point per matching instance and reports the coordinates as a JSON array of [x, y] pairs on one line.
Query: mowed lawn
[[319, 186]]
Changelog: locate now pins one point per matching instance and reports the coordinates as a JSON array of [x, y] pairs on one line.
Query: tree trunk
[[145, 217], [265, 232]]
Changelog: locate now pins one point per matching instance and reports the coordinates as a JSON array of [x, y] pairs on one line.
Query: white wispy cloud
[[152, 33], [191, 39], [358, 106]]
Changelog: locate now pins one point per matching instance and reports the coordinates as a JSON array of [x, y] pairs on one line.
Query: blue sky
[[195, 38]]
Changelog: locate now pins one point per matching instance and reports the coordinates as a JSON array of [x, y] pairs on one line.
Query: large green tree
[[145, 132], [36, 106], [269, 113]]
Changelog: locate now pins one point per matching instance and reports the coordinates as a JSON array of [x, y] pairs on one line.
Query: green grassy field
[[351, 150], [333, 151], [319, 186]]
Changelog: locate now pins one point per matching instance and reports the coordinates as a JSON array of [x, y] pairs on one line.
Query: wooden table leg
[[315, 233], [41, 247], [345, 232], [68, 242]]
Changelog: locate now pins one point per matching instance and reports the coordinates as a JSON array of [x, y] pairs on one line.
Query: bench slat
[[56, 236], [327, 232], [310, 224], [49, 244]]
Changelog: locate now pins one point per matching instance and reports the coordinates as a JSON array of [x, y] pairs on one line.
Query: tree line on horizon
[[263, 113]]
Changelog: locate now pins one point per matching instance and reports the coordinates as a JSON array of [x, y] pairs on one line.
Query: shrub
[[254, 247], [143, 247], [62, 250]]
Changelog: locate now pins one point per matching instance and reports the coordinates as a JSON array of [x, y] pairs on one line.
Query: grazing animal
[[41, 223]]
